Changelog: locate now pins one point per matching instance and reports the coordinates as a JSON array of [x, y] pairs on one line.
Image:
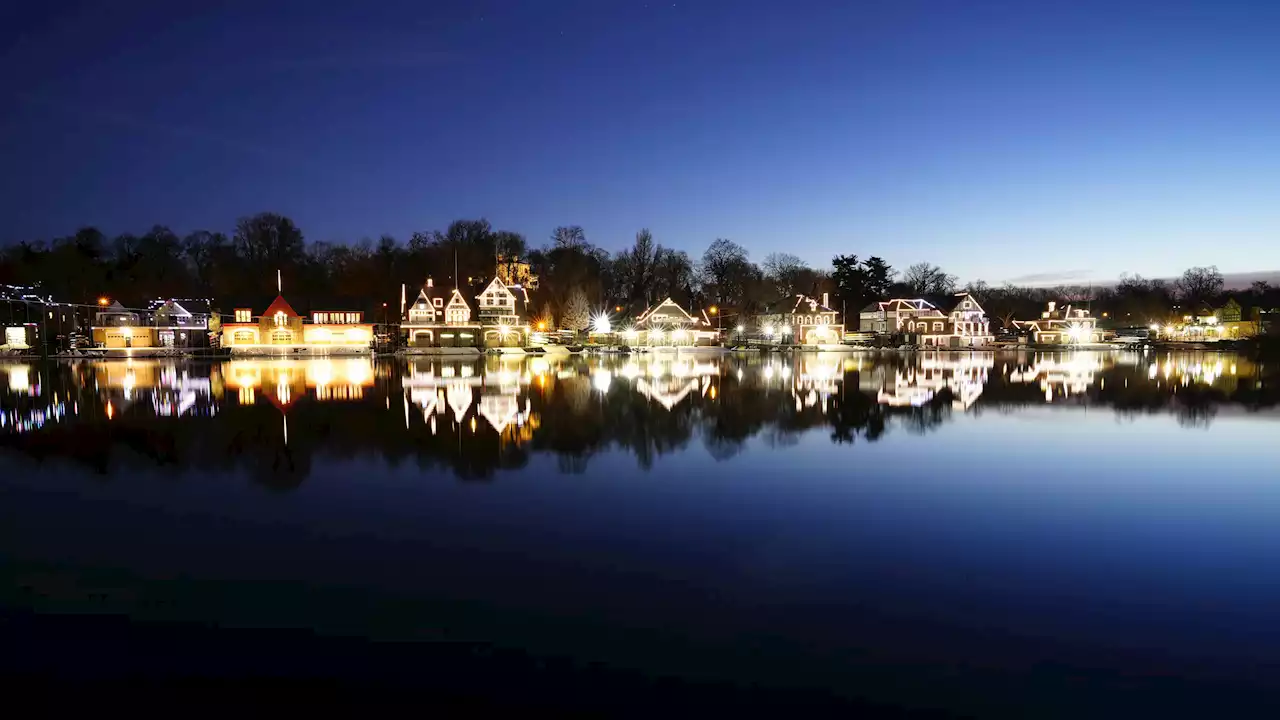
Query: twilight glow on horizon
[[1004, 141]]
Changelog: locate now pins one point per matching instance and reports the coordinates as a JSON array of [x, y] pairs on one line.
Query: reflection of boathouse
[[446, 391], [963, 374], [284, 381], [1066, 373]]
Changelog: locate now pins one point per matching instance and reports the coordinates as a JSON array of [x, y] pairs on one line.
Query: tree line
[[577, 277]]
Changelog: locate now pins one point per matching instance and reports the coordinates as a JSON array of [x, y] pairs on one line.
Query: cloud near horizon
[[1050, 278]]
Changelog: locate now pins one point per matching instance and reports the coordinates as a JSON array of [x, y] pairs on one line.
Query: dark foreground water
[[1051, 535]]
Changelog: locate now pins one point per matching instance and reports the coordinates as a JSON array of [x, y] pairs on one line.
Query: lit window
[[244, 316]]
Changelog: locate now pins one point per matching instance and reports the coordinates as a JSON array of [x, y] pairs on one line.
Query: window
[[937, 327], [438, 302], [284, 337], [242, 337], [244, 316]]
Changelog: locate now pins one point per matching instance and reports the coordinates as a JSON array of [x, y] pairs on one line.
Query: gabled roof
[[499, 286], [961, 297], [116, 308], [456, 298], [873, 307], [917, 305], [665, 303], [173, 308], [280, 305]]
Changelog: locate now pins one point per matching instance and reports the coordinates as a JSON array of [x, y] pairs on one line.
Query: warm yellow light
[[103, 301], [542, 326], [714, 310]]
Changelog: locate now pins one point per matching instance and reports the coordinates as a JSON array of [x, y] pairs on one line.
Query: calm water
[[1050, 533]]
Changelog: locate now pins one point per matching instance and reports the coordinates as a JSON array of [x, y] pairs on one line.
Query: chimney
[[1052, 305], [429, 283], [826, 300]]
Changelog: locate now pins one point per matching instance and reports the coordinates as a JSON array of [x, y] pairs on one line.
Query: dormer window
[[243, 315], [280, 318]]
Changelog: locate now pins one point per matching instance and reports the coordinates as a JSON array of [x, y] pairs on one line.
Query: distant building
[[669, 325], [431, 321], [965, 325], [175, 325], [803, 319], [516, 272], [1062, 326], [280, 330], [497, 311], [116, 327], [889, 316]]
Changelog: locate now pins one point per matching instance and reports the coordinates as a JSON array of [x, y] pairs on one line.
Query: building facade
[[497, 310], [116, 327], [966, 325], [434, 320], [1062, 326], [669, 325], [889, 316], [281, 330], [802, 320]]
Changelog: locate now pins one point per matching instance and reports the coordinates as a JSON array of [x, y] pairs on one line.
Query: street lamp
[[103, 301]]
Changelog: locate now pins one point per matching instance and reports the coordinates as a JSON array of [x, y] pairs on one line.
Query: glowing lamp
[[601, 324], [768, 330]]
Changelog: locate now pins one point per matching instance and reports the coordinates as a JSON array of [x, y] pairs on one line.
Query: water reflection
[[479, 416]]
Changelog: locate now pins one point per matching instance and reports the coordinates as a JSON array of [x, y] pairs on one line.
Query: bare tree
[[786, 272], [1199, 285], [925, 279], [570, 237]]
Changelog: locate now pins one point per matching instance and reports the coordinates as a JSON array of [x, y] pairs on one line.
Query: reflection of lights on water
[[321, 372], [19, 380], [111, 411], [601, 379]]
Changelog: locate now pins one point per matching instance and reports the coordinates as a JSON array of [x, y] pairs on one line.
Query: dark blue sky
[[1001, 140]]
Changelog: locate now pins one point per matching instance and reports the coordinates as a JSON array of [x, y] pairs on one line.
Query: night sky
[[1020, 140]]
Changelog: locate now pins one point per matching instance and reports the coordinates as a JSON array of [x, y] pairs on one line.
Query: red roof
[[279, 305]]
